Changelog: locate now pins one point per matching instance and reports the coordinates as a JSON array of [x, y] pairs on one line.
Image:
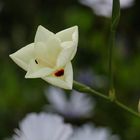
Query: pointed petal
[[48, 52], [23, 56], [67, 34], [75, 40], [66, 54], [66, 81], [37, 71], [70, 34], [42, 34]]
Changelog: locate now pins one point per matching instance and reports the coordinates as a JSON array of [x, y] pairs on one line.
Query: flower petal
[[42, 34], [57, 99], [48, 52], [37, 71], [65, 82], [43, 126], [23, 56], [67, 34], [66, 54], [75, 40], [70, 34]]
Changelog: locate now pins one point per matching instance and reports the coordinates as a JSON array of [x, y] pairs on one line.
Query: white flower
[[49, 57], [78, 104], [89, 132], [104, 7], [43, 127]]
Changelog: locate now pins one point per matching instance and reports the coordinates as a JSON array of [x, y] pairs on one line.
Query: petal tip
[[29, 76], [39, 27], [13, 57], [69, 86], [26, 76], [75, 27]]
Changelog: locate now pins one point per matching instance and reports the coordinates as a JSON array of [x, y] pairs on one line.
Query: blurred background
[[19, 96]]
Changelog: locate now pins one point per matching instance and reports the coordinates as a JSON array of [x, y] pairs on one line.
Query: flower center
[[59, 73]]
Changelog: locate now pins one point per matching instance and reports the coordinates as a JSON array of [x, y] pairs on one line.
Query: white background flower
[[104, 7], [91, 78], [89, 132], [43, 127], [77, 105], [49, 57]]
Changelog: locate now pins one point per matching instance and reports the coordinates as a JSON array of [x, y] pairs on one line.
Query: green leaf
[[115, 14]]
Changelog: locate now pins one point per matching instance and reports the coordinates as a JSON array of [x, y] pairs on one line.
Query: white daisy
[[43, 126], [89, 132], [104, 7], [77, 105]]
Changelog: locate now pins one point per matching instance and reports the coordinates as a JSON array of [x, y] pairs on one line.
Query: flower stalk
[[112, 97], [111, 74], [83, 88], [114, 22], [87, 90]]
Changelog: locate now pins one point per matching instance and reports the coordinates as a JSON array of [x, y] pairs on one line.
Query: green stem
[[114, 22], [111, 47], [118, 103], [85, 89]]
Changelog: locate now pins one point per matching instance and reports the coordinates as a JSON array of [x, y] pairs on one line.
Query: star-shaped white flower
[[49, 57], [43, 126]]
